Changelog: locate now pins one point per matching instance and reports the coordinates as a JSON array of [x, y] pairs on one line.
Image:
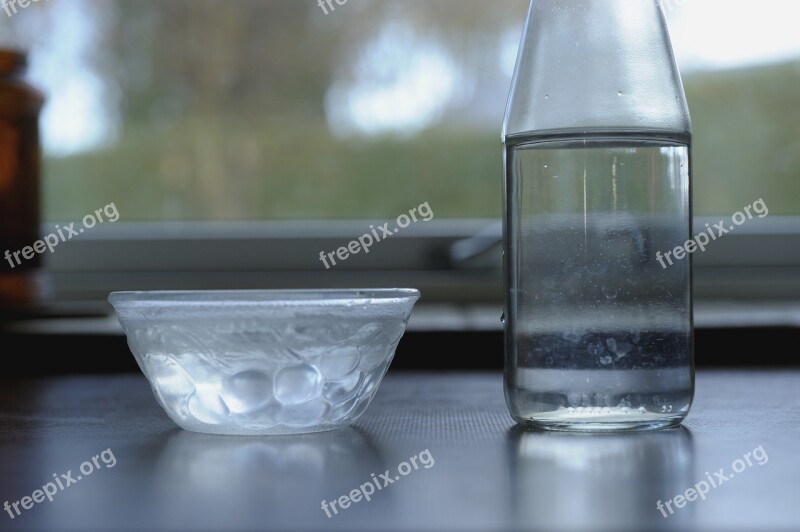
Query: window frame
[[760, 260]]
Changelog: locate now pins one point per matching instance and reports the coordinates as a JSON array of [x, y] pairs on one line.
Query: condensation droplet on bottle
[[609, 292]]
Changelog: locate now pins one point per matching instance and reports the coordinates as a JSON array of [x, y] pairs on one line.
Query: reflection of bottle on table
[[571, 481], [22, 280]]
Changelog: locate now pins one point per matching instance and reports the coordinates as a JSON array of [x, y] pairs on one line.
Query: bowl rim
[[268, 297]]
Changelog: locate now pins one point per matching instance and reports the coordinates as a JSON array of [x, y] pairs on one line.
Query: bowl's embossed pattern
[[270, 370]]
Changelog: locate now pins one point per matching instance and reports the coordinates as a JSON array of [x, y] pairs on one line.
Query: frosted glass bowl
[[264, 362]]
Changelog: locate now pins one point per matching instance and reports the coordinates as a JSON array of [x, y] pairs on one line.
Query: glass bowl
[[264, 361]]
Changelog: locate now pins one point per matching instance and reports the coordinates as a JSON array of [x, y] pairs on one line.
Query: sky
[[402, 85], [720, 34]]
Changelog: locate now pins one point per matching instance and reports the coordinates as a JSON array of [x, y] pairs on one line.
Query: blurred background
[[239, 139], [273, 110]]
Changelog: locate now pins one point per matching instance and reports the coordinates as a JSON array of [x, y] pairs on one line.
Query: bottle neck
[[586, 65]]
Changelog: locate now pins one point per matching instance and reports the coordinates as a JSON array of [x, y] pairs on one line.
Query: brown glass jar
[[21, 280]]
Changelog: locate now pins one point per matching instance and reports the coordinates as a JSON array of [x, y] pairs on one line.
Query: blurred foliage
[[222, 113], [221, 108], [746, 127], [305, 174]]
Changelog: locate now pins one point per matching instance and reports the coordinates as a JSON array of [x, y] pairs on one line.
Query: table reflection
[[606, 482], [221, 479]]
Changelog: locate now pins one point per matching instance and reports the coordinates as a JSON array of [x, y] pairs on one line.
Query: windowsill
[[449, 261]]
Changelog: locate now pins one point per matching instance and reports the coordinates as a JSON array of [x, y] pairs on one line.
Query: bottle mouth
[[12, 61]]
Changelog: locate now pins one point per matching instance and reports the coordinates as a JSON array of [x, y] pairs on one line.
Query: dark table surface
[[482, 473]]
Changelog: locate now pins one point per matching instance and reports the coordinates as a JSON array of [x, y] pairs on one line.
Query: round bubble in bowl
[[264, 361]]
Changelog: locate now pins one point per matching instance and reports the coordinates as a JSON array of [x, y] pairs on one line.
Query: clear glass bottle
[[598, 328]]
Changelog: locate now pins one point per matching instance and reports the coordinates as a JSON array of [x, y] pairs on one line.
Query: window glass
[[292, 110]]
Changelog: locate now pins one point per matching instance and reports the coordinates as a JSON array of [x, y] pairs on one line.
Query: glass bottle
[[23, 283], [598, 328]]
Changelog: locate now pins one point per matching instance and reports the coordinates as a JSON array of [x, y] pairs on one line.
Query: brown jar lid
[[12, 61], [17, 97]]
